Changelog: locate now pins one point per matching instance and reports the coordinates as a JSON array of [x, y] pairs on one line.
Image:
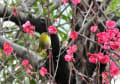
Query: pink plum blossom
[[15, 10], [73, 48], [93, 58], [110, 24], [76, 1], [7, 48], [68, 58], [28, 70], [28, 28], [43, 71], [64, 1], [73, 35], [94, 28], [114, 70], [25, 62], [52, 30], [115, 45]]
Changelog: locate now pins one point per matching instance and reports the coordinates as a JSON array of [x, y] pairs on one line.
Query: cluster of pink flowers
[[73, 35], [105, 77], [25, 63], [15, 10], [28, 66], [7, 48], [74, 1], [114, 70], [69, 56], [43, 71], [28, 28], [110, 38], [52, 29], [94, 58]]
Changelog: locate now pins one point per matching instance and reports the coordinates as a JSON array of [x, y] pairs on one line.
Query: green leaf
[[10, 62], [5, 2], [35, 5], [4, 74], [44, 55], [70, 13], [64, 17], [50, 4], [63, 35], [32, 82]]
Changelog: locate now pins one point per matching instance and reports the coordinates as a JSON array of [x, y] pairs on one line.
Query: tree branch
[[37, 21], [29, 3], [22, 52]]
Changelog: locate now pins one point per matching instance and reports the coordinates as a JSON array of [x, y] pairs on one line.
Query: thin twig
[[82, 28]]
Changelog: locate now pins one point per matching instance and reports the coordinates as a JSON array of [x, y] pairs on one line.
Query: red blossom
[[73, 35], [64, 1], [110, 34], [48, 56], [25, 62], [110, 24], [15, 10], [103, 59], [114, 45], [116, 30], [106, 45], [28, 70], [118, 34], [69, 52], [105, 77], [7, 48], [52, 30], [110, 38], [30, 66], [43, 71], [102, 37], [94, 28], [28, 28], [76, 1], [73, 48], [83, 78], [114, 70], [93, 58], [69, 58]]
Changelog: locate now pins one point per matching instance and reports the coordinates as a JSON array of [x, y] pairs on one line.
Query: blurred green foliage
[[115, 4]]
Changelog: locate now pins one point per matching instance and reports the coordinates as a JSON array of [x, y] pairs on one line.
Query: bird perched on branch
[[44, 42]]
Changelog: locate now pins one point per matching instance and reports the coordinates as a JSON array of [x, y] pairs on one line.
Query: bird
[[44, 42]]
